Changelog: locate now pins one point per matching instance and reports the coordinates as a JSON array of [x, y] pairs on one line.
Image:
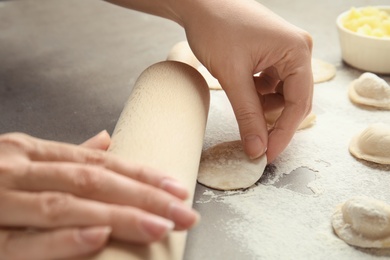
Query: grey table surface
[[67, 67]]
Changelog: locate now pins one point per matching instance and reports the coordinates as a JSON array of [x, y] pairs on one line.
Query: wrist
[[177, 10], [169, 9]]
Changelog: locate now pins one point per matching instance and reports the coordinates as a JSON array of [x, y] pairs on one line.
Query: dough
[[211, 81], [373, 144], [306, 123], [363, 222], [225, 166], [322, 71], [370, 90], [182, 52]]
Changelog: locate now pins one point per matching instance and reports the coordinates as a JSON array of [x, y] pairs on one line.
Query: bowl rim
[[341, 27]]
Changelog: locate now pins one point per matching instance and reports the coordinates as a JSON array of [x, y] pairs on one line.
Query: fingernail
[[175, 188], [93, 235], [183, 216], [254, 147], [157, 227]]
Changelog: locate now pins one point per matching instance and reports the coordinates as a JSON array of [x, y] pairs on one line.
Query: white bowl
[[366, 53]]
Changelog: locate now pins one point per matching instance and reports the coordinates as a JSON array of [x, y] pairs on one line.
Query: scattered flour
[[277, 223]]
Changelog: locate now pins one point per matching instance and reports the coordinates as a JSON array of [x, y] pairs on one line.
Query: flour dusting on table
[[278, 223]]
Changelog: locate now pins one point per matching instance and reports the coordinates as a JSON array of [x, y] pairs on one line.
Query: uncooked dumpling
[[225, 166], [370, 90], [373, 144], [363, 222], [322, 71]]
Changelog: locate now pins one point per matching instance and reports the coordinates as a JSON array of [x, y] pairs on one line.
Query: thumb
[[242, 94]]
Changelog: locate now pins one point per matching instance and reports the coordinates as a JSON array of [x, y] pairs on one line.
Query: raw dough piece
[[363, 222], [272, 116], [370, 90], [308, 121], [322, 71], [373, 144], [211, 81], [182, 52], [226, 167]]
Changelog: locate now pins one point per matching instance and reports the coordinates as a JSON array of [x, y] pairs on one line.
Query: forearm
[[169, 9]]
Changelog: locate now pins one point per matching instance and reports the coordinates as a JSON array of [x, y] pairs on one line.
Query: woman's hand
[[60, 200], [235, 40]]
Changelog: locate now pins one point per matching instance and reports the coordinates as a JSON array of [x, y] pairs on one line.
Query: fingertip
[[183, 216], [254, 147], [104, 134], [270, 156], [248, 110], [175, 188], [104, 139], [100, 141], [197, 219], [155, 228]]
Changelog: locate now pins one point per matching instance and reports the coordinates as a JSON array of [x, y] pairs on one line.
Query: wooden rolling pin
[[162, 126]]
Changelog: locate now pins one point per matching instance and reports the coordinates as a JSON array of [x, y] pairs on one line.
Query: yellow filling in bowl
[[369, 21]]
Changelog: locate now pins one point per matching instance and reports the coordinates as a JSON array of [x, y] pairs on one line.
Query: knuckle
[[151, 199], [89, 181], [6, 167], [13, 163], [7, 248], [307, 40], [54, 206], [303, 40], [140, 172], [246, 117], [96, 158], [16, 140]]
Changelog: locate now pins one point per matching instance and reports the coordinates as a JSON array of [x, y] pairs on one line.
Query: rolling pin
[[162, 126]]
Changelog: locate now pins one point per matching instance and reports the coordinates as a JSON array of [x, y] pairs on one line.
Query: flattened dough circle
[[211, 81], [225, 166], [363, 222], [271, 117], [322, 71]]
